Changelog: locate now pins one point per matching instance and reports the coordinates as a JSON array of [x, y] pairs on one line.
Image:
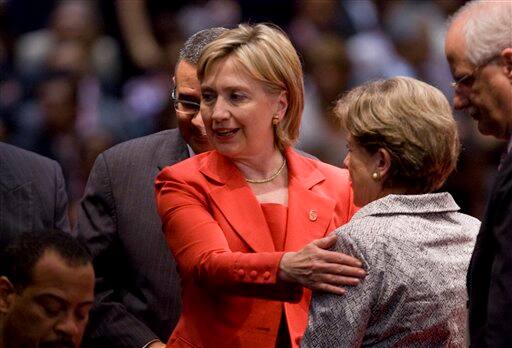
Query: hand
[[156, 344], [319, 269]]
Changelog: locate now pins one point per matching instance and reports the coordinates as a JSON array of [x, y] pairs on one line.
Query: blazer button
[[313, 215], [241, 273], [253, 274], [266, 275]]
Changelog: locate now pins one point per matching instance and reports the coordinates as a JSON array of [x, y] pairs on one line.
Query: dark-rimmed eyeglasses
[[468, 80], [186, 107]]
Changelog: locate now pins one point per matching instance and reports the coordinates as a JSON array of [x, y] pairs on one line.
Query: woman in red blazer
[[247, 222]]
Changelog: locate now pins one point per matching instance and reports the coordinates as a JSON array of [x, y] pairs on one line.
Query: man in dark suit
[[137, 287], [32, 194], [479, 49]]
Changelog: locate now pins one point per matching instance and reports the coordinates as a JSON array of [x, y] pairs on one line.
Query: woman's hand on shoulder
[[317, 268]]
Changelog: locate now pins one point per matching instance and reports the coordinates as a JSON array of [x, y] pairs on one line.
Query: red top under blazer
[[217, 232]]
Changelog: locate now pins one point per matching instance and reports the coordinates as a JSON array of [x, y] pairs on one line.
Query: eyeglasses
[[468, 80], [186, 107]]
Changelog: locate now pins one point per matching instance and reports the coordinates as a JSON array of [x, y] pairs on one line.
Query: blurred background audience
[[78, 76]]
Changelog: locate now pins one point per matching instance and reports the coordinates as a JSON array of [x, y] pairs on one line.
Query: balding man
[[479, 49]]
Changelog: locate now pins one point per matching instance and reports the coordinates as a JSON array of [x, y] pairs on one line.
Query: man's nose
[[68, 326], [197, 121]]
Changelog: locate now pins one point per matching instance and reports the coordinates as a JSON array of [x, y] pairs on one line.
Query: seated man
[[46, 291]]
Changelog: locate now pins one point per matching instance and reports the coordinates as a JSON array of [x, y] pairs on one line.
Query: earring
[[275, 120], [375, 176]]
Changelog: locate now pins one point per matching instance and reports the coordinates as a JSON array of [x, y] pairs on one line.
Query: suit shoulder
[[146, 143], [187, 167], [470, 223], [23, 158], [327, 169]]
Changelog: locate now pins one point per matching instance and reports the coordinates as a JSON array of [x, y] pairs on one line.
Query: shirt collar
[[409, 204], [191, 152]]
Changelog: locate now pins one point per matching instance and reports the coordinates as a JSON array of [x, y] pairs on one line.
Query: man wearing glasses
[[137, 302], [479, 49]]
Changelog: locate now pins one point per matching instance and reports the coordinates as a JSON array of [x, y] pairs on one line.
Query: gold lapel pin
[[313, 215]]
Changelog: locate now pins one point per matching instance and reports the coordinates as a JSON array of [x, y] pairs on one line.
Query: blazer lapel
[[235, 199], [309, 213]]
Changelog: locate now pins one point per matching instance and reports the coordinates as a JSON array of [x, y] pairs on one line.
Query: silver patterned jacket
[[416, 250]]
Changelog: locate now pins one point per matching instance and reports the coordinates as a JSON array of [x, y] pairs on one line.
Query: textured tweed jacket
[[416, 250]]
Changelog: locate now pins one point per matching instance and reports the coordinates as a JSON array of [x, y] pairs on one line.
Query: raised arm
[[205, 254]]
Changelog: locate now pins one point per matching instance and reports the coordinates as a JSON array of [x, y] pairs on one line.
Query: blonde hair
[[267, 55], [413, 121]]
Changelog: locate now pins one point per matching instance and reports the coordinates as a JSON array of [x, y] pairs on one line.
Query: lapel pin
[[313, 215]]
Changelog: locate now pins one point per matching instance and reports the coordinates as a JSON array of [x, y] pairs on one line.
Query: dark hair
[[194, 45], [21, 255]]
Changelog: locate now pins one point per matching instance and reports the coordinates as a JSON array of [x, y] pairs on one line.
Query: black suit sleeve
[[499, 314], [61, 218], [110, 324]]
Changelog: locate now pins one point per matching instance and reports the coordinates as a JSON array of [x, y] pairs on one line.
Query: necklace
[[270, 178]]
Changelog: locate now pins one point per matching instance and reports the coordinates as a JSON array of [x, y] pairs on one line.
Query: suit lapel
[[309, 213], [235, 199]]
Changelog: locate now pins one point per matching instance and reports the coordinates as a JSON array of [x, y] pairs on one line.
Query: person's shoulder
[[15, 156], [363, 239], [327, 169], [367, 230], [146, 144], [470, 223], [188, 168]]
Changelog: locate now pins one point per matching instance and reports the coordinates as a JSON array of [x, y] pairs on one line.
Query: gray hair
[[193, 47], [487, 30]]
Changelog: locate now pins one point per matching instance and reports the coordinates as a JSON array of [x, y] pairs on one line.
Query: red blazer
[[218, 234]]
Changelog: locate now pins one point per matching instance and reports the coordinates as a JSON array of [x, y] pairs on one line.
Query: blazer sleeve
[[341, 321], [110, 324], [202, 251], [499, 314], [61, 218]]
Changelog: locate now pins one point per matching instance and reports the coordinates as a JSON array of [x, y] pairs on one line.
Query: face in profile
[[190, 122], [482, 91], [237, 112], [52, 311], [361, 165]]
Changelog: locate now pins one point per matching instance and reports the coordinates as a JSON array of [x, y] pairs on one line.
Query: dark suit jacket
[[137, 286], [490, 271], [32, 194]]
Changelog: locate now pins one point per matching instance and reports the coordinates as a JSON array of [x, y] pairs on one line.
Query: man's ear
[[506, 54], [7, 294], [383, 162]]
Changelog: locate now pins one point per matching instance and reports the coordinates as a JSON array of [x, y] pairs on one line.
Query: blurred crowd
[[79, 76]]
